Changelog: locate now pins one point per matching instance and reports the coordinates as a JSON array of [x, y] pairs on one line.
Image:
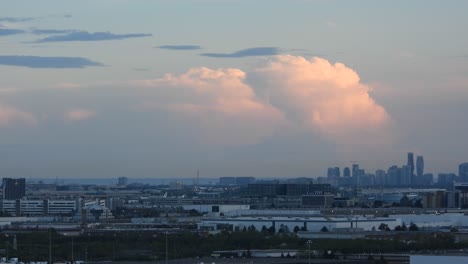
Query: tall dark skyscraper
[[346, 172], [13, 189], [355, 170], [419, 168], [410, 165], [463, 172]]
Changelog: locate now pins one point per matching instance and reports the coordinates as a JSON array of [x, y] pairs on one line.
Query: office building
[[317, 200], [410, 164], [419, 169], [285, 189], [244, 180], [463, 172], [355, 170], [13, 189], [380, 177], [122, 181], [227, 180], [346, 172]]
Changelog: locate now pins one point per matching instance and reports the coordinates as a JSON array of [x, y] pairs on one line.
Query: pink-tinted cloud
[[68, 85], [287, 91], [324, 96], [10, 115], [218, 104], [75, 115]]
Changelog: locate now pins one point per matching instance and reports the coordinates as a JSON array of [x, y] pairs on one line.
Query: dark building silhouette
[[285, 189], [333, 172], [419, 166], [337, 172], [346, 172], [419, 169], [410, 165], [463, 172], [13, 189], [355, 170], [227, 180], [244, 180]]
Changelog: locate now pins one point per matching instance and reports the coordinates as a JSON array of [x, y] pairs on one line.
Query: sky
[[163, 88]]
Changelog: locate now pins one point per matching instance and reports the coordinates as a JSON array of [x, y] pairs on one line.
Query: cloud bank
[[217, 103], [251, 52], [47, 62], [180, 47], [314, 95], [89, 36]]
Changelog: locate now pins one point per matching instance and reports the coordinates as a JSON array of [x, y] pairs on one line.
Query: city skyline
[[115, 88]]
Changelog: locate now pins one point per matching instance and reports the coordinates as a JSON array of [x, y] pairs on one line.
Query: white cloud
[[233, 107], [218, 104], [75, 115], [324, 96]]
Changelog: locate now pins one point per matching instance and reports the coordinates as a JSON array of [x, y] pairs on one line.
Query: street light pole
[[73, 249], [309, 242]]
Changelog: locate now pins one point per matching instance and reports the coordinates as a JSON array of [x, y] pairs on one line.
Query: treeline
[[144, 246]]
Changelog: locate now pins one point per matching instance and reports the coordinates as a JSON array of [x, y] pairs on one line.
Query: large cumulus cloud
[[235, 106], [322, 96], [217, 104]]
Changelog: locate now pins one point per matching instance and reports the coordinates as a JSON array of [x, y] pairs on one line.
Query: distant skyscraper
[[380, 177], [393, 176], [419, 169], [333, 172], [463, 172], [410, 165], [355, 170], [337, 172], [13, 189], [405, 176], [346, 172], [122, 181]]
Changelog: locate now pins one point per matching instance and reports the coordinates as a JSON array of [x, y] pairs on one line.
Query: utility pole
[[50, 245], [73, 249], [167, 253]]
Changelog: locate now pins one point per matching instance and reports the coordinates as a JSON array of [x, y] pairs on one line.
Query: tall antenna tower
[[198, 176]]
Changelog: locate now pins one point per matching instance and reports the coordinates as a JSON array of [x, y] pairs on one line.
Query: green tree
[[413, 227]]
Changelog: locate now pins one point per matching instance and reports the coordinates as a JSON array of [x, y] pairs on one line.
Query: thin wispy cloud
[[47, 62], [250, 52], [89, 36], [51, 31], [180, 47], [16, 19], [140, 69], [10, 31]]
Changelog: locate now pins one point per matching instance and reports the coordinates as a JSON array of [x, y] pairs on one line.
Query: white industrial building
[[313, 224]]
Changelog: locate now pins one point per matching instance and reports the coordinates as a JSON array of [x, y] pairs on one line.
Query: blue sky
[[109, 88]]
